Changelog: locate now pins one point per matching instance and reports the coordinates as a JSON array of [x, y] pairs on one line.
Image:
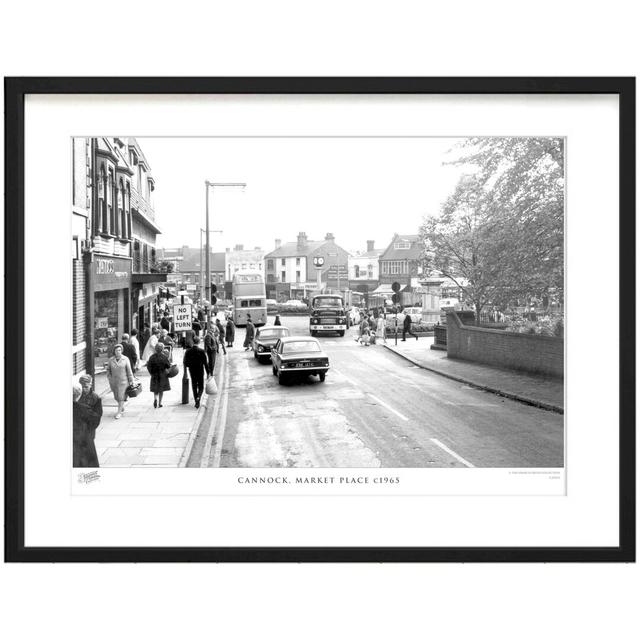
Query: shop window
[[284, 276], [357, 271]]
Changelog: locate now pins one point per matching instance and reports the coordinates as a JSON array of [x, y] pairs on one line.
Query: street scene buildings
[[431, 336]]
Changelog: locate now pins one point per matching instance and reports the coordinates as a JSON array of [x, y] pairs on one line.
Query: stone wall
[[520, 351]]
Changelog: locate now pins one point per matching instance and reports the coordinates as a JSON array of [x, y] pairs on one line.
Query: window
[[122, 213], [110, 211], [394, 267], [127, 206], [297, 262], [283, 262], [402, 245], [102, 204], [357, 270], [270, 265], [297, 276], [284, 276]]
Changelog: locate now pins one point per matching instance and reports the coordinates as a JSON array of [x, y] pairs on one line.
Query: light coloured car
[[266, 338]]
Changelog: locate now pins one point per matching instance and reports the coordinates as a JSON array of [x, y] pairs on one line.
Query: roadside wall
[[524, 352]]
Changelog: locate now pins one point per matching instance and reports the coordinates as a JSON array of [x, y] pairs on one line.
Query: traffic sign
[[181, 317], [318, 261], [395, 287]]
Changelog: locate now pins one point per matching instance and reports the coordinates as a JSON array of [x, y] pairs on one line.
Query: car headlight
[[260, 347]]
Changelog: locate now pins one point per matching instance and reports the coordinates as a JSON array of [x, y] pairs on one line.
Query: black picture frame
[[15, 91]]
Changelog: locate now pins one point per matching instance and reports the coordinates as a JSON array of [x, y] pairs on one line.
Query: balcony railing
[[143, 206]]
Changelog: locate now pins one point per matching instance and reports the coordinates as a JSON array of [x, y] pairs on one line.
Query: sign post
[[182, 323], [318, 262]]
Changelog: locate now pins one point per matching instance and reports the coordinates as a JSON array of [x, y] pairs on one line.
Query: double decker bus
[[249, 298]]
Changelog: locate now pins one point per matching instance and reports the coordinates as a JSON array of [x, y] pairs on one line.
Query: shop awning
[[383, 290]]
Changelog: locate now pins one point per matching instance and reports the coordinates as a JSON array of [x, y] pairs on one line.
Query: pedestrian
[[168, 342], [406, 327], [210, 350], [120, 376], [201, 316], [158, 365], [196, 327], [381, 327], [144, 338], [196, 361], [133, 340], [364, 324], [150, 347], [249, 334], [165, 323], [129, 350], [365, 338], [87, 413], [372, 322], [277, 322], [221, 335], [230, 332]]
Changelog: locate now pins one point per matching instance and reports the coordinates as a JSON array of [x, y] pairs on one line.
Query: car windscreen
[[273, 333], [327, 302], [300, 346]]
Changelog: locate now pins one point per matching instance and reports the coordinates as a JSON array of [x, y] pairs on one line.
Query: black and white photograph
[[318, 302]]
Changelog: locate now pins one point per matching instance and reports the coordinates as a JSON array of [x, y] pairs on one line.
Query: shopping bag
[[211, 387], [173, 371], [134, 389]]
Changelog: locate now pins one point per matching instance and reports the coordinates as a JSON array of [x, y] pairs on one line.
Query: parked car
[[272, 305], [294, 303], [298, 355], [266, 338]]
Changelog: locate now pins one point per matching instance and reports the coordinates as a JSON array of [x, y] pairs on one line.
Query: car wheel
[[322, 376], [280, 379], [312, 334], [341, 334]]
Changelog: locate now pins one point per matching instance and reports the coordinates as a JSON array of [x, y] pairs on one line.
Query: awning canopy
[[383, 290], [147, 278]]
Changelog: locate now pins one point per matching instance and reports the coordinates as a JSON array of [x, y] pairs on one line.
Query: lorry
[[327, 313]]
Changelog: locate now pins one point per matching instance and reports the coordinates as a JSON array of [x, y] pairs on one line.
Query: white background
[[490, 38]]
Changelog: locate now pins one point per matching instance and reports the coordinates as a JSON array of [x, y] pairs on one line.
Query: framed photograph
[[320, 319]]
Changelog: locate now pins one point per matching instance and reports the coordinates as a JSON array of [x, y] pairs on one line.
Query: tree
[[501, 232], [164, 266]]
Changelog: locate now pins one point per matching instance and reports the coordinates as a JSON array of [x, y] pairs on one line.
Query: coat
[[195, 360], [407, 322], [230, 330], [130, 351], [250, 332], [150, 347], [158, 365], [220, 329], [84, 447], [120, 376]]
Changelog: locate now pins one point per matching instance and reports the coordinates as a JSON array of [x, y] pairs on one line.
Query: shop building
[[364, 270]]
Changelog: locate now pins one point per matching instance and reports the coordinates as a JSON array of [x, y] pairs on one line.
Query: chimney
[[302, 240], [278, 243], [239, 247], [370, 244], [329, 237]]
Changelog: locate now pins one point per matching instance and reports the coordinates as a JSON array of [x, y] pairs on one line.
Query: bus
[[249, 298]]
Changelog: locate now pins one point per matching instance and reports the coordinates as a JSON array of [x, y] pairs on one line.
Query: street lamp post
[[208, 184], [202, 298]]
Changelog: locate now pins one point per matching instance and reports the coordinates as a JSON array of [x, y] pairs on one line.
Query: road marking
[[217, 452], [384, 404], [206, 453], [444, 447]]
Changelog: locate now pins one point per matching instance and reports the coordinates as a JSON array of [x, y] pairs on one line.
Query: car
[[297, 355], [265, 339], [294, 303], [272, 305]]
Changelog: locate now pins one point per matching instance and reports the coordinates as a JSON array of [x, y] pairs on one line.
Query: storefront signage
[[102, 323], [181, 317], [111, 273]]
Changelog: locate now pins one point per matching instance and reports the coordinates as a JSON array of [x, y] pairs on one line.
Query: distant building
[[364, 270], [400, 262], [290, 271], [189, 269]]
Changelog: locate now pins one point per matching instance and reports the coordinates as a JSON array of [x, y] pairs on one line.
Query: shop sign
[[181, 317], [111, 273], [102, 323]]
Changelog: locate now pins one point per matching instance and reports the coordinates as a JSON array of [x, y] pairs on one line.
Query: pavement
[[144, 436], [538, 391]]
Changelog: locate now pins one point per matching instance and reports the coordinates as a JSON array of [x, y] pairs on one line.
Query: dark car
[[266, 338], [298, 355]]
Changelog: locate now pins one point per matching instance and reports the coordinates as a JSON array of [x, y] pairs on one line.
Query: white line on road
[[384, 404], [444, 447], [206, 453]]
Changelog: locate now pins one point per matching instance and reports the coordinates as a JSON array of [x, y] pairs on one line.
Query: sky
[[359, 189]]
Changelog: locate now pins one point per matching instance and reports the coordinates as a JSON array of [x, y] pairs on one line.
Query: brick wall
[[524, 352]]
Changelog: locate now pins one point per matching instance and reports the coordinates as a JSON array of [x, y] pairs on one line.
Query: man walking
[[250, 333], [196, 361], [210, 350], [406, 328], [221, 334]]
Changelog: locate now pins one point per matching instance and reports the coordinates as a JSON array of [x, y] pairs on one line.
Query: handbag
[[134, 389], [173, 371], [211, 387]]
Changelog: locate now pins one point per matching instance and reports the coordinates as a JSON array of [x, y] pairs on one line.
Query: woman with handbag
[[158, 366], [120, 376]]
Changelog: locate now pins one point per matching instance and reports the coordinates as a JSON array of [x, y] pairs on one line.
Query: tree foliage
[[500, 234]]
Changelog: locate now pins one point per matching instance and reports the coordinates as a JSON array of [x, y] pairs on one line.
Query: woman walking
[[230, 332], [150, 347], [158, 365], [120, 376], [381, 328]]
